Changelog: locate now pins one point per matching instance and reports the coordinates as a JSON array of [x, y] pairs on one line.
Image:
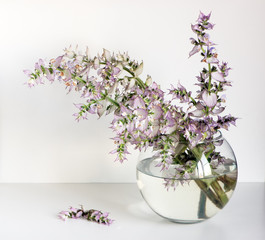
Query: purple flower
[[196, 28], [210, 56], [203, 20], [124, 111], [224, 69], [73, 210], [64, 215], [116, 71], [224, 122], [99, 217], [205, 39], [180, 93]]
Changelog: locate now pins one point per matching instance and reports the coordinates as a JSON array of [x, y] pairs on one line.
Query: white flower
[[139, 69]]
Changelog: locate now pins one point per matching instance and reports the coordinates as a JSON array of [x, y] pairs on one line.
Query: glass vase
[[200, 197]]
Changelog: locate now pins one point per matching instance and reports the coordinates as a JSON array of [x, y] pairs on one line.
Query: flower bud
[[139, 69]]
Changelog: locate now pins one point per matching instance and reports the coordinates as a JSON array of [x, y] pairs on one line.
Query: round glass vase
[[192, 200]]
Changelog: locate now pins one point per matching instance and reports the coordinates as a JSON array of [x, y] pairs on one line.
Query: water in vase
[[193, 201]]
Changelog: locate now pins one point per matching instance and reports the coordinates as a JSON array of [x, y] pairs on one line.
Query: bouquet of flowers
[[145, 115]]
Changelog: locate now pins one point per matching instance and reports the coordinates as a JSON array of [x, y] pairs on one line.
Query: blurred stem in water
[[209, 193], [202, 206], [211, 189]]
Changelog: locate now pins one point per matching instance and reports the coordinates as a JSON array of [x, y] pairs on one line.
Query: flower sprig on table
[[142, 116], [90, 215]]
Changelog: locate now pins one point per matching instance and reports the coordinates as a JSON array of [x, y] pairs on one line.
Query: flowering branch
[[90, 215], [111, 83]]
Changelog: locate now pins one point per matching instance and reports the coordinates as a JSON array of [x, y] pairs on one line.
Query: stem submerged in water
[[202, 206], [211, 194], [211, 189]]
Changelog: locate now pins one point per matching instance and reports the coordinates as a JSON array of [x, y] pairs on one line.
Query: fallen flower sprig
[[90, 215]]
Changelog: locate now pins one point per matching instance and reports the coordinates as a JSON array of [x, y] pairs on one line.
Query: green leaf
[[211, 149], [51, 70], [43, 69]]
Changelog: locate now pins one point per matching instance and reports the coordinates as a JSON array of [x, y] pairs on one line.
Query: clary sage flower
[[90, 215], [143, 115]]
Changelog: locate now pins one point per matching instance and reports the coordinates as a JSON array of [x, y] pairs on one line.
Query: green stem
[[219, 192], [106, 97], [140, 83], [209, 193], [213, 189], [210, 77], [112, 101], [80, 79], [210, 71], [138, 80], [193, 100], [202, 206], [128, 70]]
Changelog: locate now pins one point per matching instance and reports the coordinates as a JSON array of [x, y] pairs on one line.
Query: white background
[[39, 138]]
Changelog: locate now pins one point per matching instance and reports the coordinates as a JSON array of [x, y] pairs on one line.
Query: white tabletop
[[29, 211]]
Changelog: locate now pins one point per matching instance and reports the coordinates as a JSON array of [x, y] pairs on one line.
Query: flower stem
[[113, 101], [138, 80], [210, 77], [128, 70], [80, 79], [202, 206], [212, 189], [209, 70], [219, 192], [193, 100], [140, 83], [209, 193]]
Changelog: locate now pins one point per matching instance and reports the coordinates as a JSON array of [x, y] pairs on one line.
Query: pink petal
[[138, 103], [73, 209], [58, 61], [195, 49], [141, 113], [116, 70], [79, 214], [198, 113], [209, 99], [144, 125], [212, 60], [218, 111], [27, 72], [157, 112], [113, 151], [218, 76], [130, 127], [67, 74]]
